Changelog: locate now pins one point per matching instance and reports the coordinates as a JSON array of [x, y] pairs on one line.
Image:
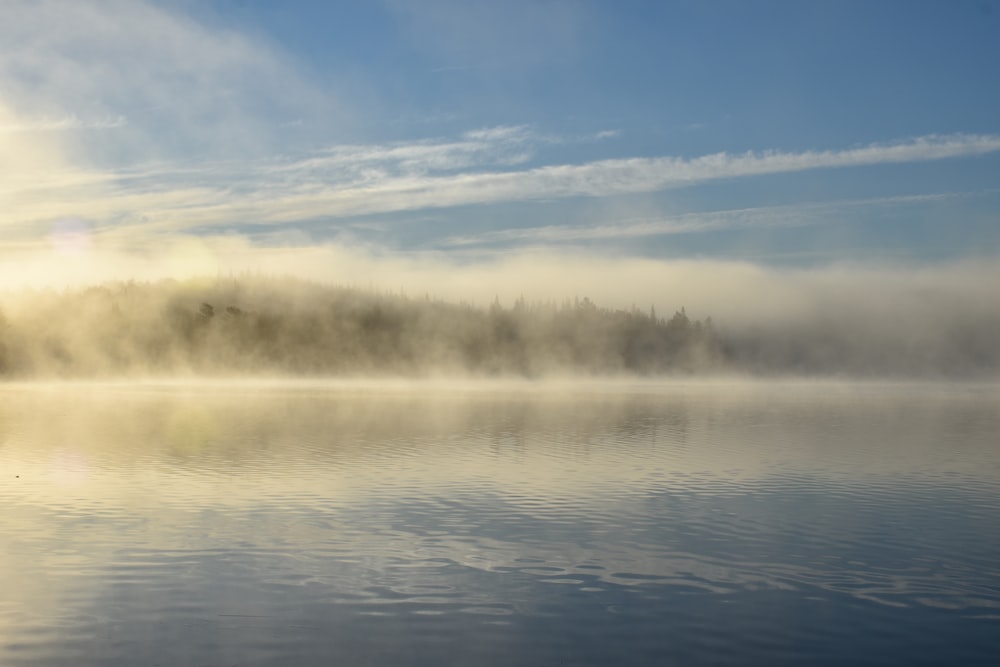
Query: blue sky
[[221, 135]]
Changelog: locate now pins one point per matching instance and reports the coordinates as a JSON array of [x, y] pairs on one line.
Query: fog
[[740, 292], [842, 319]]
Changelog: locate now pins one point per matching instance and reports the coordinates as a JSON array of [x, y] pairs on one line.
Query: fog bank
[[741, 292], [859, 320]]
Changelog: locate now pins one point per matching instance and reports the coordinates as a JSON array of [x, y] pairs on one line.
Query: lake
[[491, 523]]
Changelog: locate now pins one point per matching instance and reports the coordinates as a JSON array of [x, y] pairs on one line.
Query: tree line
[[285, 326]]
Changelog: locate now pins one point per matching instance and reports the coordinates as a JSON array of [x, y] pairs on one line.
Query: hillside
[[284, 326]]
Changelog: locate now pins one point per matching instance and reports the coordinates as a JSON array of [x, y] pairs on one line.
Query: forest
[[286, 326], [253, 325]]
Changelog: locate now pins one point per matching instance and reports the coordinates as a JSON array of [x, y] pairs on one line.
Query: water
[[491, 524]]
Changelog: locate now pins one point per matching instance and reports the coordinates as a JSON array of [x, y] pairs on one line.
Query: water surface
[[508, 524]]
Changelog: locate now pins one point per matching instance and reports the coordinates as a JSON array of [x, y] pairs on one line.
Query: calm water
[[587, 524]]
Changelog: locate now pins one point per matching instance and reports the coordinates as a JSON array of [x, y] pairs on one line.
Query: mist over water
[[592, 464], [620, 316], [423, 523]]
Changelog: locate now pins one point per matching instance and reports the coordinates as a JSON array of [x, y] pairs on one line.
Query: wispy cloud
[[183, 85], [476, 149], [796, 215], [67, 122], [618, 176], [480, 167], [196, 116]]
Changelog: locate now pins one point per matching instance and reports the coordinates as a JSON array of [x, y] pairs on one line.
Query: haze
[[819, 180]]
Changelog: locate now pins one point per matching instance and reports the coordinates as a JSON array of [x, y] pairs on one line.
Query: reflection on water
[[499, 524]]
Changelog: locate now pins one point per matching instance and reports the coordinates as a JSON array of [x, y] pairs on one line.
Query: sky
[[473, 148]]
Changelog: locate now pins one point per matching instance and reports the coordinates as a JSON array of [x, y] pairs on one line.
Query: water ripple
[[651, 526]]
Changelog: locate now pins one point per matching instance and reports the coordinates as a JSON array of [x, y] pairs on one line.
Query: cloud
[[797, 215], [69, 122], [480, 167], [399, 192], [181, 84], [493, 146], [161, 87], [144, 123], [620, 176]]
